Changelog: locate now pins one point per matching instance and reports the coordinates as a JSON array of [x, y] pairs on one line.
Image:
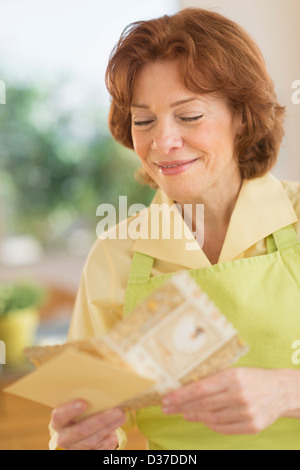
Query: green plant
[[58, 164], [19, 295]]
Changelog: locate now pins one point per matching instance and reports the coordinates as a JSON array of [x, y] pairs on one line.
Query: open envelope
[[174, 336], [75, 374]]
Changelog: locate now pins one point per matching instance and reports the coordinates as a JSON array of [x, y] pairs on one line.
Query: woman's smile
[[175, 167]]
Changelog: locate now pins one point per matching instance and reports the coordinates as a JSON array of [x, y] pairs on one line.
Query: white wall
[[43, 41], [275, 25]]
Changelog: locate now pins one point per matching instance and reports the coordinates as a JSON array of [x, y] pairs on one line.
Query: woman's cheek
[[142, 151], [138, 147]]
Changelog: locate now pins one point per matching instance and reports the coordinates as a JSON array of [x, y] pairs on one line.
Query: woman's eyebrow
[[173, 105]]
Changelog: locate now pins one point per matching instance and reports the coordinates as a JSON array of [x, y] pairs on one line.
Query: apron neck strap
[[141, 266], [282, 239]]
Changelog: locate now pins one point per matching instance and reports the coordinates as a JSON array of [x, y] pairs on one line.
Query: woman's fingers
[[97, 441], [240, 427], [65, 414], [204, 389], [208, 404], [100, 425], [222, 415], [234, 401], [93, 432]]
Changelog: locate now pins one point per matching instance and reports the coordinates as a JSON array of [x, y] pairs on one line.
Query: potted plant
[[19, 317]]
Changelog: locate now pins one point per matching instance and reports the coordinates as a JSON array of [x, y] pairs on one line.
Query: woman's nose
[[166, 139]]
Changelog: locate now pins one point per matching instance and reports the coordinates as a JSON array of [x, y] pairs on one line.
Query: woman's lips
[[175, 167]]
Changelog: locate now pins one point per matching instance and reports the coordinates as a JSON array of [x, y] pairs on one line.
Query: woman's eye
[[142, 123], [148, 122], [192, 118]]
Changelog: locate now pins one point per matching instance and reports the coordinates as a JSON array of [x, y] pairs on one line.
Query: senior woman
[[191, 95]]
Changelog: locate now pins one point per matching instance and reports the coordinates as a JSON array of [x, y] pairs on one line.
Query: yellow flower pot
[[18, 330]]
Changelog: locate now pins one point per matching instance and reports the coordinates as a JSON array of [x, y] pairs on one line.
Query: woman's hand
[[236, 400], [96, 432]]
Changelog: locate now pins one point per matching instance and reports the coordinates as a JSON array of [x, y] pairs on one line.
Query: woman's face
[[185, 141]]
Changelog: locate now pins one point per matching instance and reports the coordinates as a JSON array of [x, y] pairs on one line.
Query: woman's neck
[[211, 223]]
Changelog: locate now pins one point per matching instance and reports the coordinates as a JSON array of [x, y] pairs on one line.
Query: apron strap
[[140, 269], [141, 264], [271, 245], [282, 239]]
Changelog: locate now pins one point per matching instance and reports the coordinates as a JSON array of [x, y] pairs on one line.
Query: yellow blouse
[[264, 205]]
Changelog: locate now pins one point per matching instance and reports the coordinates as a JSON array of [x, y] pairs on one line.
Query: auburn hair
[[214, 54]]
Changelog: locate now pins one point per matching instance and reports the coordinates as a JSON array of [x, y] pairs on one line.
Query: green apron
[[260, 296]]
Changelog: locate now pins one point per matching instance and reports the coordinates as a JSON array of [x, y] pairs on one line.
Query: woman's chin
[[181, 193]]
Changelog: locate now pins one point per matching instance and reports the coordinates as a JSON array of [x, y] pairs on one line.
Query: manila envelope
[[78, 375]]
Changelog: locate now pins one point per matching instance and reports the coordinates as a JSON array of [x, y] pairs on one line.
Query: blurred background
[[58, 162]]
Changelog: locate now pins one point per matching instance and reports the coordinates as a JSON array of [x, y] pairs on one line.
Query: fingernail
[[116, 413], [167, 402], [79, 405]]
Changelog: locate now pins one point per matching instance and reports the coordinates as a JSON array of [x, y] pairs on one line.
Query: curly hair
[[214, 54]]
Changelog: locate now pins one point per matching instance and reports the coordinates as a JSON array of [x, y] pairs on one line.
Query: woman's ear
[[241, 122]]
